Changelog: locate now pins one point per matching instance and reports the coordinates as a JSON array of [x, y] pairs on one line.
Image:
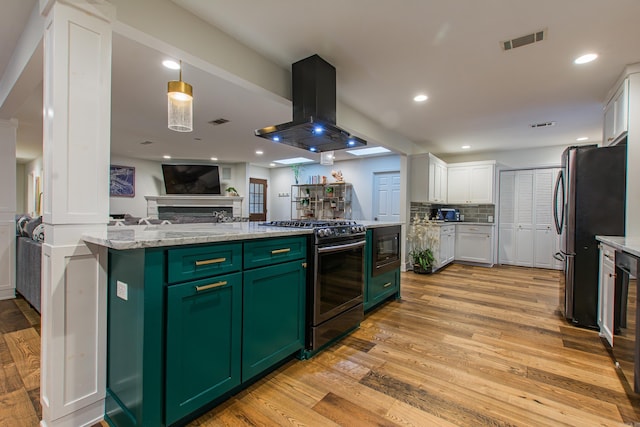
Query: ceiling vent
[[542, 125], [524, 40], [218, 122], [146, 143]]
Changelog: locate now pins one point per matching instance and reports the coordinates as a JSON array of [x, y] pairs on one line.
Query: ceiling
[[385, 52]]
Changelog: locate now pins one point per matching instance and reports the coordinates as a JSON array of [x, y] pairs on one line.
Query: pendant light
[[180, 95]]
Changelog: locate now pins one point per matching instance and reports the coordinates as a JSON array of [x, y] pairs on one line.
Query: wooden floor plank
[[466, 346]]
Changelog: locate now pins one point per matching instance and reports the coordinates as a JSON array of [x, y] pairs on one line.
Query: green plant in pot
[[424, 239], [231, 191]]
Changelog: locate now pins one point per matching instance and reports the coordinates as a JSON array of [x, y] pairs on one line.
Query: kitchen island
[[196, 312]]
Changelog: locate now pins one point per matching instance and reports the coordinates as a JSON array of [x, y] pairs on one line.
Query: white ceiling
[[385, 52]]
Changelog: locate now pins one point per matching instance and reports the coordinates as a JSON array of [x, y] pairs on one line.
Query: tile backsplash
[[471, 213]]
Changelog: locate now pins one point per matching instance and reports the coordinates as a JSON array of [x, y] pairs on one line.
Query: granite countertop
[[377, 224], [630, 245], [150, 236]]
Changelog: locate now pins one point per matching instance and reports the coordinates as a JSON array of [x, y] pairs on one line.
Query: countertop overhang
[[150, 236], [630, 245]]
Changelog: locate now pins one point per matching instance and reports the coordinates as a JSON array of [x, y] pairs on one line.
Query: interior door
[[524, 218], [507, 211], [257, 199], [386, 196]]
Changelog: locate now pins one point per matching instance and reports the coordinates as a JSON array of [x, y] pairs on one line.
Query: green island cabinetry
[[382, 287], [189, 325]]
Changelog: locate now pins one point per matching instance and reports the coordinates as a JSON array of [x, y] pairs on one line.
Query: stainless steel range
[[335, 279]]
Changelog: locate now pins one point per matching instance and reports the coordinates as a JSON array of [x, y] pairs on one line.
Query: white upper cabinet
[[428, 179], [616, 115], [470, 183]]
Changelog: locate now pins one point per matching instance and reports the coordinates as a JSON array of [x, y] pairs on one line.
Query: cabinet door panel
[[274, 315], [481, 184], [203, 342], [473, 247], [458, 185]]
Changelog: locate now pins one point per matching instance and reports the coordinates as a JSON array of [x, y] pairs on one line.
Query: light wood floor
[[467, 346]]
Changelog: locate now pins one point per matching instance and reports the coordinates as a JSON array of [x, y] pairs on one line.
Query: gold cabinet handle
[[304, 265], [607, 256], [211, 286], [612, 275], [210, 261], [386, 285], [280, 251]]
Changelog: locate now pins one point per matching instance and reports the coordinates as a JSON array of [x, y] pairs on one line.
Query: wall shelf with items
[[321, 201]]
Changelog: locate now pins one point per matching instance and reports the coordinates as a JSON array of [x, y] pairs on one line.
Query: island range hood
[[314, 111]]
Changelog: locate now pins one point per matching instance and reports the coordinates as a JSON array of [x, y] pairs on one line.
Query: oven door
[[338, 283], [385, 249]]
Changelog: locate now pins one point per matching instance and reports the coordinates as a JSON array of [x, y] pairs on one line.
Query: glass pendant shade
[[326, 158], [180, 96]]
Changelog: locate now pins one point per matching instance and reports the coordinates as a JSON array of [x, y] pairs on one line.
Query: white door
[[545, 234], [386, 196], [507, 218], [524, 218]]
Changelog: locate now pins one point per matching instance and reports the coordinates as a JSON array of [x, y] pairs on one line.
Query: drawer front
[[380, 287], [446, 229], [263, 252], [202, 261], [469, 228]]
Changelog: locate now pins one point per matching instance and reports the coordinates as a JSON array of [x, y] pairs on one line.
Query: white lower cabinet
[[446, 252], [474, 243], [606, 291]]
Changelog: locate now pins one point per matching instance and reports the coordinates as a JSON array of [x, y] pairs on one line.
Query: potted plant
[[231, 191], [424, 239]]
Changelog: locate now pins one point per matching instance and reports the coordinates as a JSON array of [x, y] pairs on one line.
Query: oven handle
[[328, 249]]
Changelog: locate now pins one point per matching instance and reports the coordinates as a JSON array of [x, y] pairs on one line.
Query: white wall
[[21, 189], [32, 170], [514, 159], [358, 172], [149, 182]]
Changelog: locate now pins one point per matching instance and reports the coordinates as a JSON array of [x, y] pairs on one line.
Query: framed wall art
[[123, 181]]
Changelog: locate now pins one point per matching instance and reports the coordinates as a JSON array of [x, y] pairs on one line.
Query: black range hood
[[314, 111]]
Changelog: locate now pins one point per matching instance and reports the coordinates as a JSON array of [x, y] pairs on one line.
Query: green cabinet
[[189, 325], [274, 315], [381, 287], [203, 342]]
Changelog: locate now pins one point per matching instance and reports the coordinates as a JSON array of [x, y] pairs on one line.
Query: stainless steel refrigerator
[[589, 200]]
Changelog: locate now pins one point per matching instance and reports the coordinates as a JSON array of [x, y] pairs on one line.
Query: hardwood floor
[[466, 346]]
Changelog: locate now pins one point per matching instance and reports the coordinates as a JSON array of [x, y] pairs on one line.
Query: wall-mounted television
[[191, 179]]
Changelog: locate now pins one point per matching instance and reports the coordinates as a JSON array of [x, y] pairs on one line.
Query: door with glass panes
[[257, 199]]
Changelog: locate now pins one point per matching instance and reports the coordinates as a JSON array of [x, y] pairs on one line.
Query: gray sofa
[[29, 259]]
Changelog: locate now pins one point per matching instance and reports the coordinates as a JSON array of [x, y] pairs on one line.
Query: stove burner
[[325, 230]]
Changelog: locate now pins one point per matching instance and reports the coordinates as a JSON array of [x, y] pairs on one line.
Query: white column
[[77, 94], [7, 208]]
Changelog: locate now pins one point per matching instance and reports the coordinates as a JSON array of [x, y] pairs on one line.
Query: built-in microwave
[[385, 249]]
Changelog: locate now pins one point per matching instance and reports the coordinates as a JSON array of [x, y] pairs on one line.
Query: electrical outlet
[[122, 290], [490, 218]]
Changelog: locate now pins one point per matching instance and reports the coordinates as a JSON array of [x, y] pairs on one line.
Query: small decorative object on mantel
[[424, 239], [232, 191], [337, 175]]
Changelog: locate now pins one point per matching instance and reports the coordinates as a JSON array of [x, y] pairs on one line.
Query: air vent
[[524, 40], [218, 122], [542, 125], [146, 143]]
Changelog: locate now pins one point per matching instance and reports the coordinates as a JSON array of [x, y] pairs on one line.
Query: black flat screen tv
[[191, 179]]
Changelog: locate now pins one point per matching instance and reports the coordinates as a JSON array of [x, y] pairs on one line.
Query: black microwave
[[446, 214], [385, 249]]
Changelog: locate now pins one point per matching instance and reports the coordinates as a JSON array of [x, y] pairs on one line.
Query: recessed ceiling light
[[293, 161], [166, 156], [585, 58], [259, 152], [171, 64], [582, 138], [420, 98], [465, 147], [368, 151], [215, 159], [272, 164]]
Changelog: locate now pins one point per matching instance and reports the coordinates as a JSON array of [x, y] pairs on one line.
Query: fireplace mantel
[[190, 200]]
